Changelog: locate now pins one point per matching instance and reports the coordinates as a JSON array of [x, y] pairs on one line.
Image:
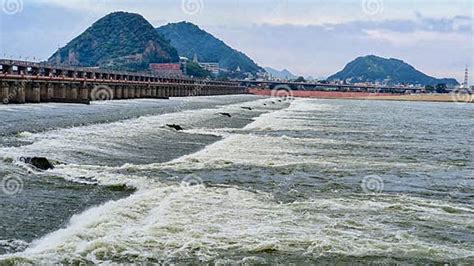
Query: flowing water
[[303, 181]]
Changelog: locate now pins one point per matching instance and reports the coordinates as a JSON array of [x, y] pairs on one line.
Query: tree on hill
[[193, 69], [300, 79], [192, 41], [441, 88]]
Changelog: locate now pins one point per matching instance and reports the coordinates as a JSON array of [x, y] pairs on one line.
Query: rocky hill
[[190, 40], [391, 71], [121, 41]]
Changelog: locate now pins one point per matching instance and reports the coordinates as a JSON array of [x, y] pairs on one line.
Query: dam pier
[[30, 82]]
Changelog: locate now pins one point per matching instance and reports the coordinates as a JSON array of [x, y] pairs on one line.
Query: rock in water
[[38, 162], [176, 127], [226, 114]]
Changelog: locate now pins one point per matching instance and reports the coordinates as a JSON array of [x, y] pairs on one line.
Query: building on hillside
[[211, 67], [214, 68], [169, 70]]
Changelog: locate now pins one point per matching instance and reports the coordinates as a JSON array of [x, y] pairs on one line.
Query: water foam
[[165, 223]]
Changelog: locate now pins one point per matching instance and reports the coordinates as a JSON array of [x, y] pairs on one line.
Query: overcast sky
[[308, 37]]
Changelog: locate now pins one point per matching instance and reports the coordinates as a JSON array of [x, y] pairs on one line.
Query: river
[[280, 181]]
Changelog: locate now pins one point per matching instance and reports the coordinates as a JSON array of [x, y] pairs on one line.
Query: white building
[[211, 67]]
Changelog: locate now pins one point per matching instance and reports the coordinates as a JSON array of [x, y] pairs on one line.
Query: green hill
[[190, 40], [121, 41], [391, 71]]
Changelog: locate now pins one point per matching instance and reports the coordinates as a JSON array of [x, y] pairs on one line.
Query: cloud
[[414, 38], [323, 50], [309, 37]]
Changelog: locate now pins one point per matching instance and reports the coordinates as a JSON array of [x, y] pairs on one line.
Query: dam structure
[[32, 82]]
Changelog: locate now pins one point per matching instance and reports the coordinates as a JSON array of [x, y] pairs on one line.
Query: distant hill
[[391, 71], [190, 40], [120, 40], [284, 74]]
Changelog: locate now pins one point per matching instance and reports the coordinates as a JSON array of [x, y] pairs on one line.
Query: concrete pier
[[84, 92], [137, 92], [19, 92], [4, 92], [125, 93], [59, 91], [72, 93], [118, 92], [33, 93]]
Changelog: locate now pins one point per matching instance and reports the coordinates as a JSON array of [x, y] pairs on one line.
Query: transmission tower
[[465, 84]]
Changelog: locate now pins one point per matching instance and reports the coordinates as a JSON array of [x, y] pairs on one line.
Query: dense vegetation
[[190, 40], [391, 71], [194, 70], [122, 41]]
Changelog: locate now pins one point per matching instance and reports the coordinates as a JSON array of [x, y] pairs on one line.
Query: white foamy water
[[164, 223]]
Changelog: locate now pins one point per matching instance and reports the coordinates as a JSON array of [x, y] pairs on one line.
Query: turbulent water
[[303, 181]]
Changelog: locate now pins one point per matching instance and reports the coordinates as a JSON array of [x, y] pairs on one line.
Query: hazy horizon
[[309, 38]]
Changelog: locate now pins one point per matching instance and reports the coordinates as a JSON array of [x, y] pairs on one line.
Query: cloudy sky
[[308, 37]]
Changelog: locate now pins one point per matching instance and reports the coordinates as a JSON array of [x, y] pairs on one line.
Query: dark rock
[[176, 127], [247, 108], [38, 162], [225, 114]]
